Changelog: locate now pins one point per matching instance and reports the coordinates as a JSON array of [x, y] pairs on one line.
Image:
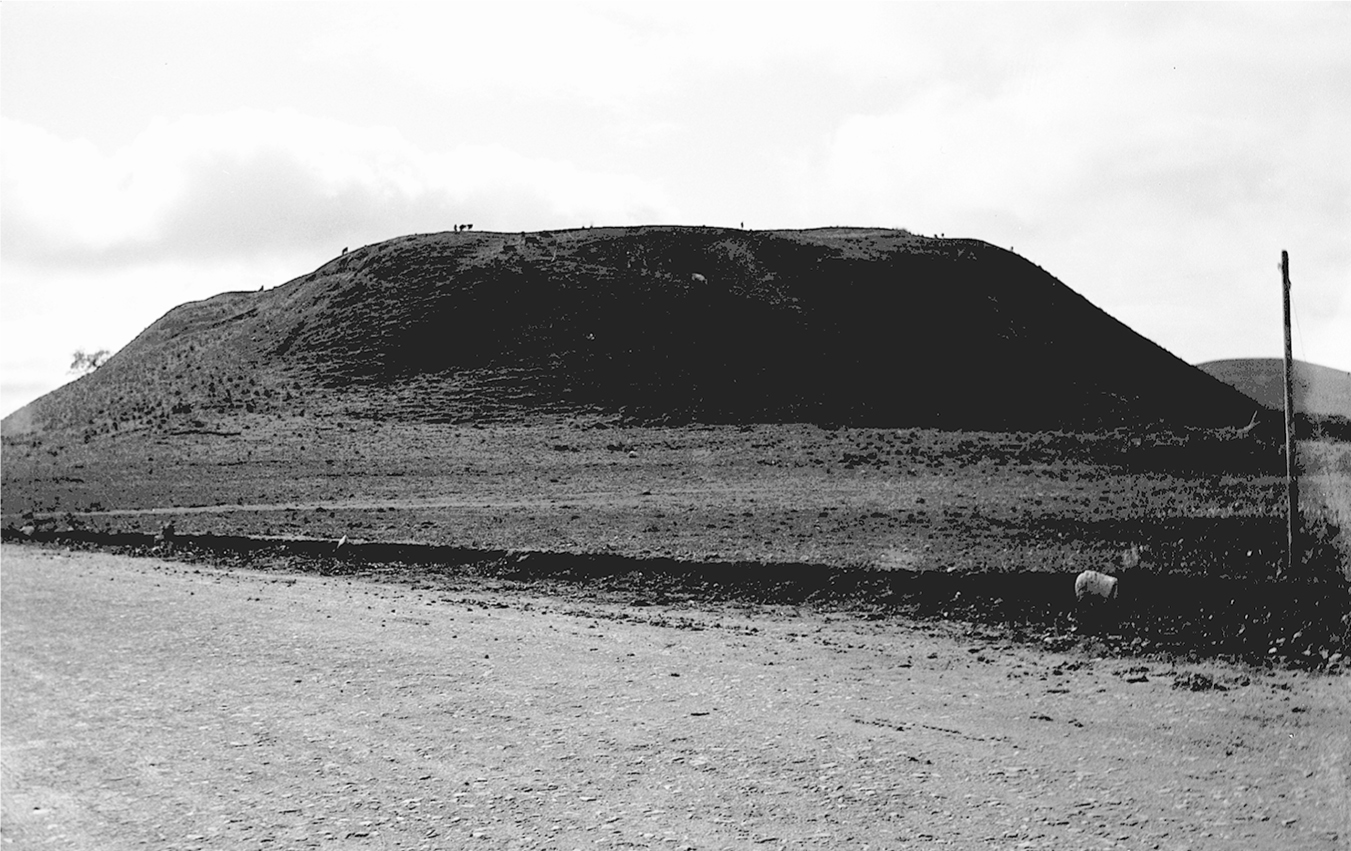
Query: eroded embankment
[[1299, 622]]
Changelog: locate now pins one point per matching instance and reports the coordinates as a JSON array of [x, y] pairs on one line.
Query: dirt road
[[153, 704]]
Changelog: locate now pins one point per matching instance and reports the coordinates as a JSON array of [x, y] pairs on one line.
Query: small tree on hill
[[86, 363]]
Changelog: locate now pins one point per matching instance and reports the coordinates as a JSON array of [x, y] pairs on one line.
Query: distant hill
[[1319, 390], [860, 326]]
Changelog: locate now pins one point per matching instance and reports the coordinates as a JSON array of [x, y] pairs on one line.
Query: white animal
[[1092, 584]]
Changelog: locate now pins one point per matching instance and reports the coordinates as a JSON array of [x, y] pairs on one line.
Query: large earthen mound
[[862, 326]]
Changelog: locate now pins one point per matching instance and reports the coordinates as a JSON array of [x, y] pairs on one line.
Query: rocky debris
[[1197, 681]]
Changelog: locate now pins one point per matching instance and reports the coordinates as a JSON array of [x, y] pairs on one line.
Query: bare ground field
[[686, 508], [152, 703], [919, 499]]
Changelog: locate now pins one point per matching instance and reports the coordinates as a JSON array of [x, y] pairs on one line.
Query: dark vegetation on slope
[[677, 324]]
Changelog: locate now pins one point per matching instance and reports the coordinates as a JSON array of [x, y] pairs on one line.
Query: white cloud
[[599, 54], [252, 182], [946, 153], [1155, 157], [67, 192]]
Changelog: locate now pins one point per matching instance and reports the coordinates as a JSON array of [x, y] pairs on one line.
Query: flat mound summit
[[842, 325]]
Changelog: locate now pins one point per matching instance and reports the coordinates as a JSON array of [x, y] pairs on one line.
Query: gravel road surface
[[152, 704]]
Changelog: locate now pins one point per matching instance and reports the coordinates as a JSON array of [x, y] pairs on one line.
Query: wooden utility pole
[[1291, 483]]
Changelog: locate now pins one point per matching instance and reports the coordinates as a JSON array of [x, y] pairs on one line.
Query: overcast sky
[[1155, 157]]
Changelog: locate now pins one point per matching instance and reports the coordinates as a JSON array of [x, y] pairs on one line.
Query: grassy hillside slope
[[1319, 390], [860, 326]]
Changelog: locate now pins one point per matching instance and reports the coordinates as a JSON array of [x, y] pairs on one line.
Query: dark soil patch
[[1302, 624]]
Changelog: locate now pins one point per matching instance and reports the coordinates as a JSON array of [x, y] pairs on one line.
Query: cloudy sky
[[1155, 157]]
